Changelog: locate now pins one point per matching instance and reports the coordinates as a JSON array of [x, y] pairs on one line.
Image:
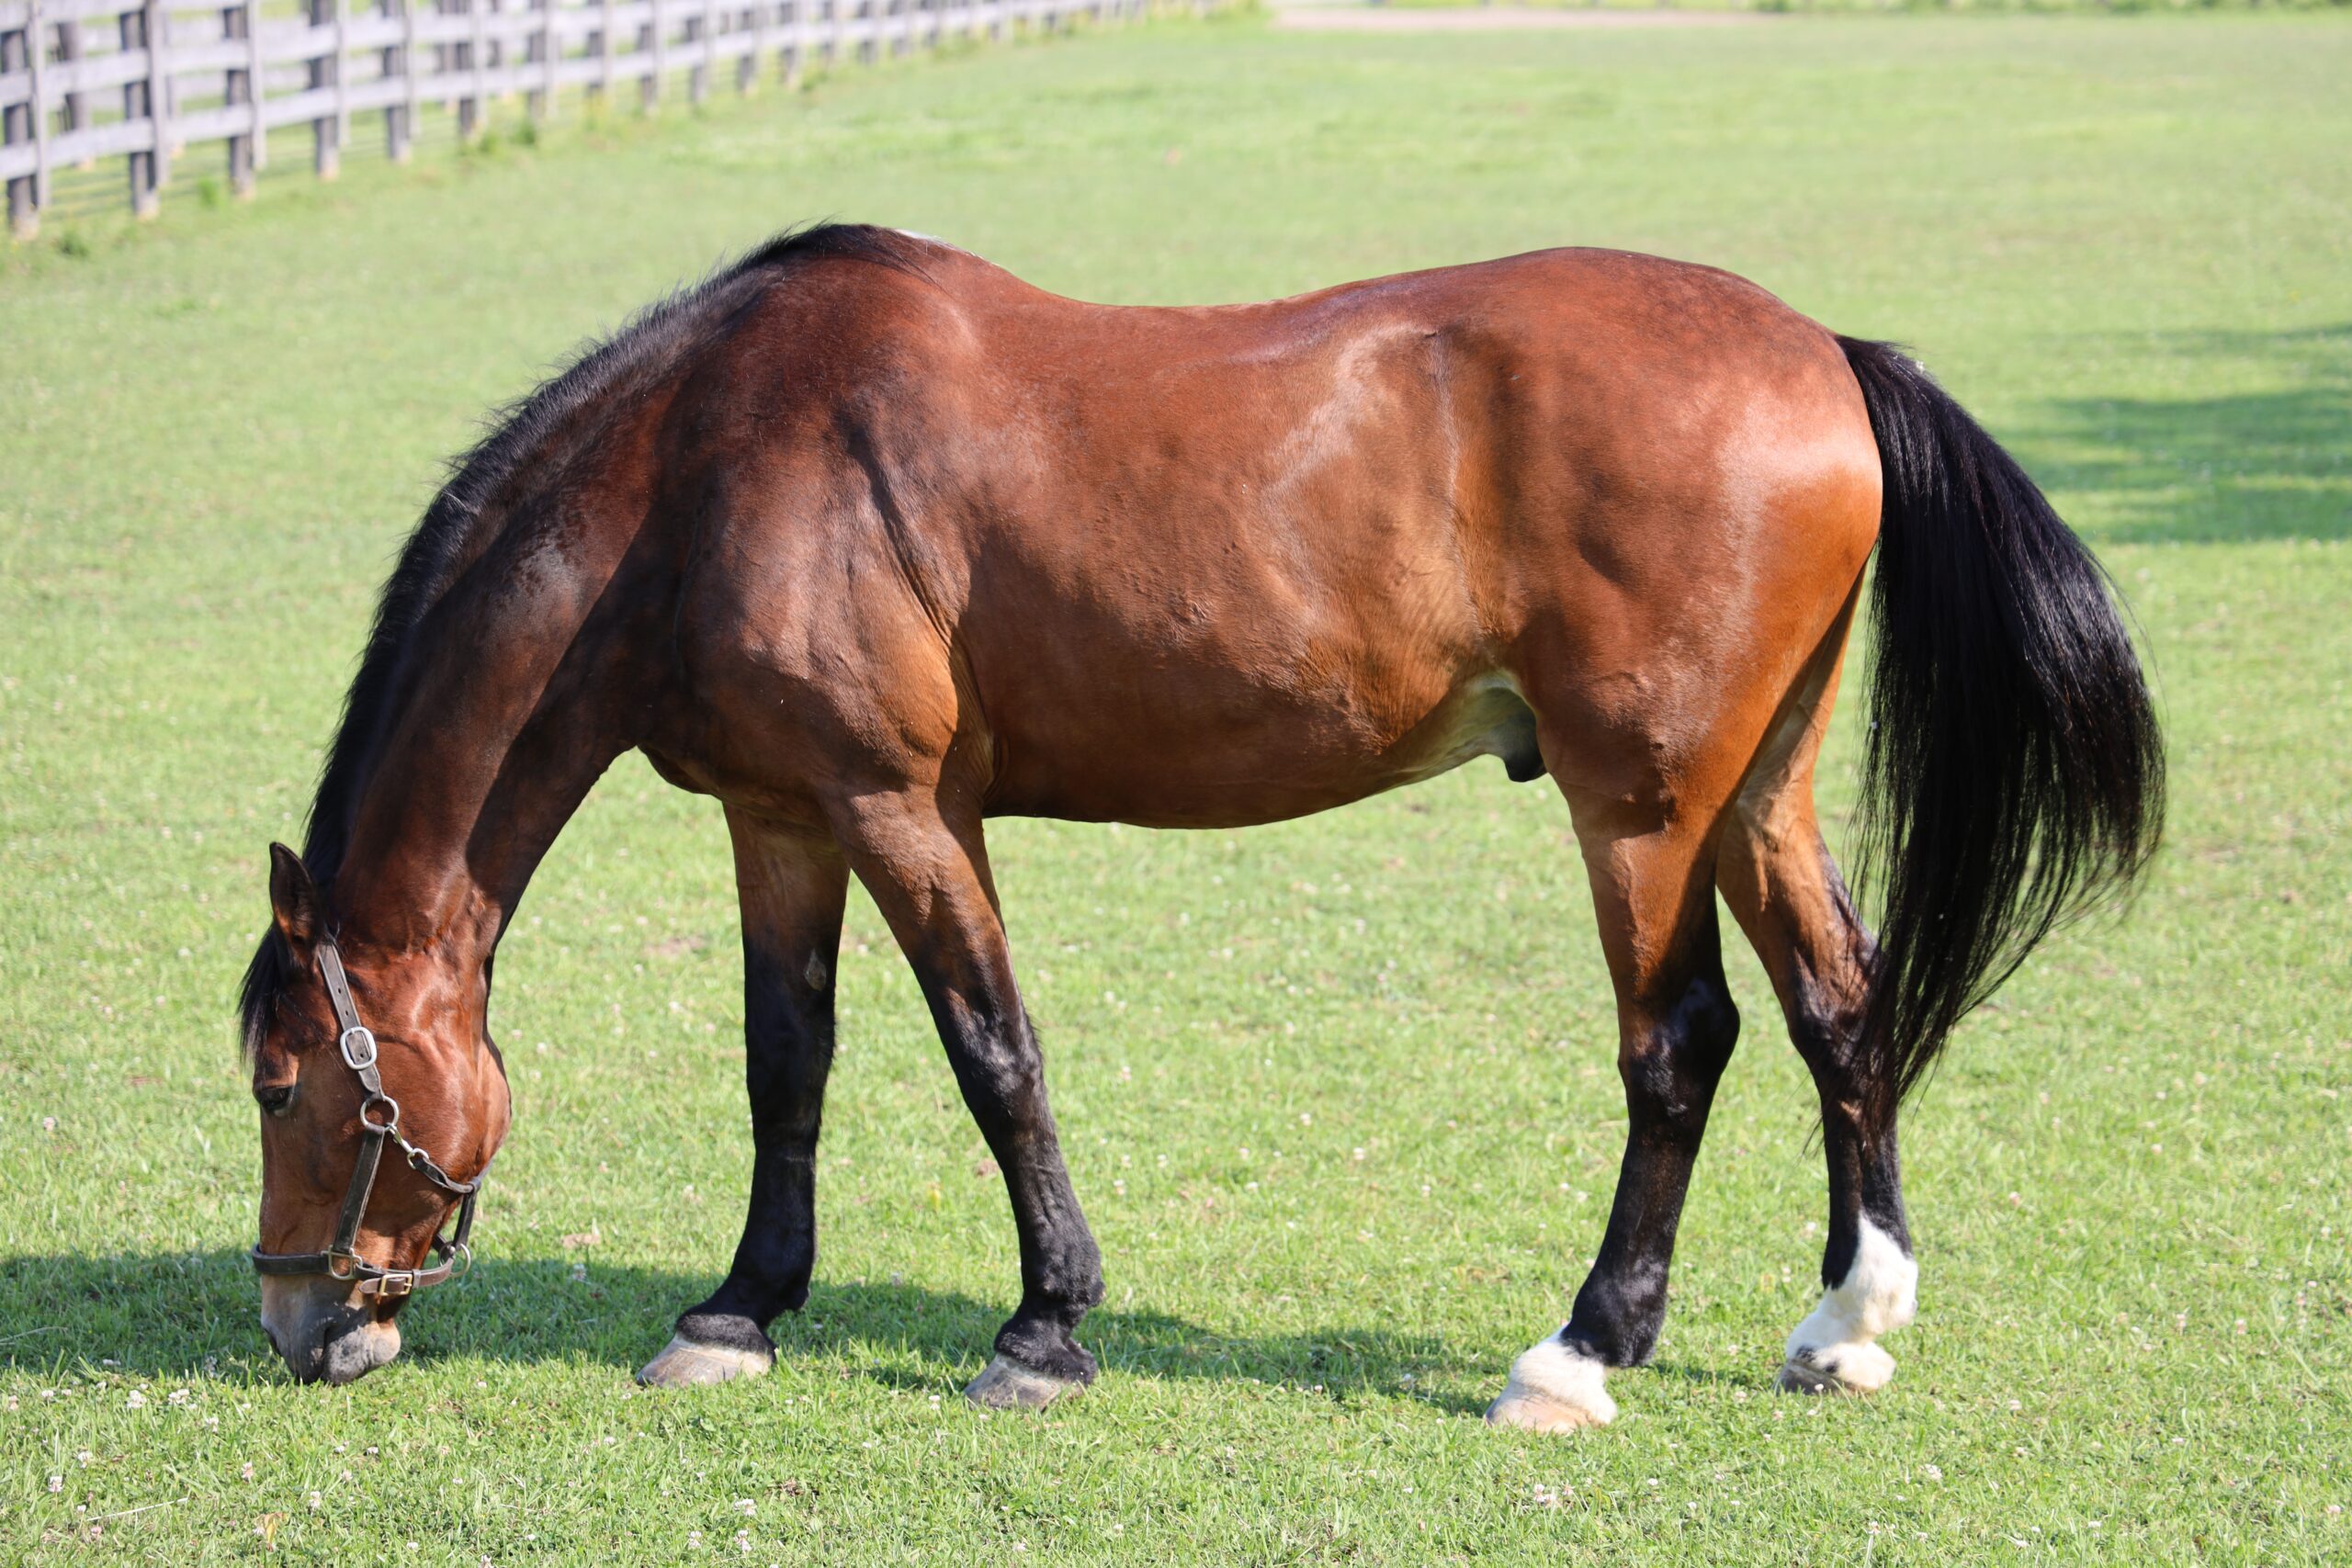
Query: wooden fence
[[143, 80]]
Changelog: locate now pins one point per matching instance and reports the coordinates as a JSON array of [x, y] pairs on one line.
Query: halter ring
[[391, 1124]]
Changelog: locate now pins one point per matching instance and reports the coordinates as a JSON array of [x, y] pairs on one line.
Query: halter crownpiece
[[380, 1122]]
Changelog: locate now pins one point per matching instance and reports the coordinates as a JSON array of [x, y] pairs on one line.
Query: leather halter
[[341, 1260]]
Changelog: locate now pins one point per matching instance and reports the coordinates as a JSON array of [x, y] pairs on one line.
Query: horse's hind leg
[[1653, 884], [791, 887], [1785, 891]]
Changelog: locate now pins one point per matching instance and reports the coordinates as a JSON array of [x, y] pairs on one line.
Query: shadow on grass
[[195, 1315], [2274, 465]]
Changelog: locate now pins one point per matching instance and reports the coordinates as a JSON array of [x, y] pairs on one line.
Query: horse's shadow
[[193, 1315]]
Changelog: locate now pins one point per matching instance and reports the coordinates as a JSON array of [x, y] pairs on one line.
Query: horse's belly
[[1218, 768]]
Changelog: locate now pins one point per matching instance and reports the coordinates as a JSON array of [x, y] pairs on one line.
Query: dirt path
[[1494, 19]]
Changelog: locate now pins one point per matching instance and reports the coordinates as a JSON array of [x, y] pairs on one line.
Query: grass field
[[1338, 1095]]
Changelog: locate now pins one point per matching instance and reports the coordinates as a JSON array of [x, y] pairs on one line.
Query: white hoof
[[1552, 1389], [1837, 1368], [1008, 1385], [684, 1364]]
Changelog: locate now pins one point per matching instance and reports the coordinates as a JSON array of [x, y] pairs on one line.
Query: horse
[[872, 541]]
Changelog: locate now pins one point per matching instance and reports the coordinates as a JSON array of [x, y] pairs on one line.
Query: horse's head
[[365, 1063]]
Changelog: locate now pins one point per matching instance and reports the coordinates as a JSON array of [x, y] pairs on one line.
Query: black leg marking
[[1670, 1075], [792, 891]]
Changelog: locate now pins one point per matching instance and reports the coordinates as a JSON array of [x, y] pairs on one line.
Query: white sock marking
[[1552, 1389], [1878, 1295]]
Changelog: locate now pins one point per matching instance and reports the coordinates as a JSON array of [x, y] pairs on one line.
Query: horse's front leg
[[927, 869], [791, 886]]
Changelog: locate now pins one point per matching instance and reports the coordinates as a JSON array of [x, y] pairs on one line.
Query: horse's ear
[[293, 900]]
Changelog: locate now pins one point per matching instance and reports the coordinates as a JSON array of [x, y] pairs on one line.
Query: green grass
[[1339, 1094]]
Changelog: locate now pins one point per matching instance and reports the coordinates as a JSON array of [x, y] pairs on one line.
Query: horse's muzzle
[[321, 1333]]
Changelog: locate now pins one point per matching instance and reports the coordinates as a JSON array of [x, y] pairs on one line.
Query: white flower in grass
[[134, 1400], [57, 1483]]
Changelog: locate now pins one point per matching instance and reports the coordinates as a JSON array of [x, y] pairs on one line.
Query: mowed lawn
[[1338, 1095]]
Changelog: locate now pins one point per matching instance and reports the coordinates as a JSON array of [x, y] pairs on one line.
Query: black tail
[[2015, 774]]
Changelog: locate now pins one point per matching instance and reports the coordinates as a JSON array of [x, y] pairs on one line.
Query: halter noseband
[[341, 1260]]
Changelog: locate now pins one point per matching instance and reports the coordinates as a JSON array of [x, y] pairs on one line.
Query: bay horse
[[871, 541]]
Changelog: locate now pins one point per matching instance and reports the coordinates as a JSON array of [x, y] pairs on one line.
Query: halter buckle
[[396, 1284], [350, 1260], [360, 1056]]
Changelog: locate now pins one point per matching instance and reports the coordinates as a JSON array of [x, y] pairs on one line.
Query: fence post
[[238, 89], [601, 89], [322, 71], [470, 106], [400, 60], [160, 96], [342, 94], [540, 102], [130, 30], [650, 39], [75, 105], [22, 123]]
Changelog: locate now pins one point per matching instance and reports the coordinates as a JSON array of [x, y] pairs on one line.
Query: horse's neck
[[520, 687]]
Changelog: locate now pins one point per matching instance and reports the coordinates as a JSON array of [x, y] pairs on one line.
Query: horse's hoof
[[1837, 1368], [686, 1364], [1552, 1389], [1008, 1385]]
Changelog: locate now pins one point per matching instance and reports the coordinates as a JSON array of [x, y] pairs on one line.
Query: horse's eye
[[276, 1099]]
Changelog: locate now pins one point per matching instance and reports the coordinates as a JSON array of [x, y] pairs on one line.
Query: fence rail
[[143, 80]]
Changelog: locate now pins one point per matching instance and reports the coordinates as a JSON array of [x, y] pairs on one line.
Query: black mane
[[451, 534]]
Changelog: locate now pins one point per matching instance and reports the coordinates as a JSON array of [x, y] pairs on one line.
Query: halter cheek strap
[[380, 1123]]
